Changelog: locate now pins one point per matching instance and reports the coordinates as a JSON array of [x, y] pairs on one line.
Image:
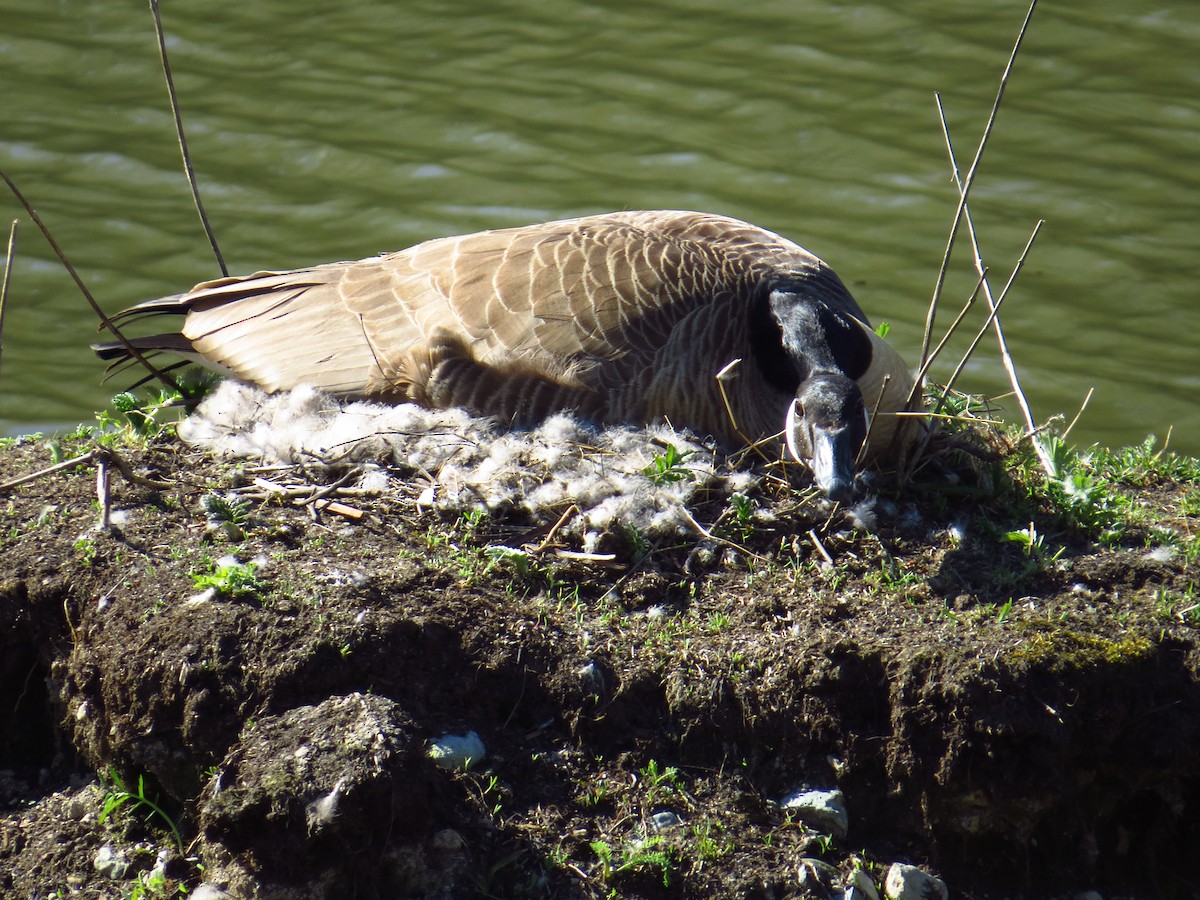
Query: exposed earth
[[1019, 716]]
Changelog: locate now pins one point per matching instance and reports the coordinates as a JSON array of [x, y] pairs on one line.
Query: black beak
[[833, 452], [825, 428]]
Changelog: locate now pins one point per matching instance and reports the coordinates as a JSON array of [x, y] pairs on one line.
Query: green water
[[331, 131]]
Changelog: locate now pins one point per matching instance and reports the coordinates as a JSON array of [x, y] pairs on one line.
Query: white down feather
[[472, 463]]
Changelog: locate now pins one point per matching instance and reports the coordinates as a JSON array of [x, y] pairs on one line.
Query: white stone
[[905, 882], [457, 751], [661, 821], [823, 810], [111, 863], [860, 887]]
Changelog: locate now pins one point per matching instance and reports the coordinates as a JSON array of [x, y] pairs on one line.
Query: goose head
[[826, 427], [815, 345]]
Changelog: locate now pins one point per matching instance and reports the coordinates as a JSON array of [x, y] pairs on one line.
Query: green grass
[[117, 795], [233, 580]]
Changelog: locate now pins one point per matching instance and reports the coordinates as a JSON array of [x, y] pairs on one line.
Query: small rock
[[78, 807], [163, 863], [905, 882], [1089, 895], [208, 891], [661, 821], [817, 876], [447, 841], [111, 863], [859, 886], [457, 751], [823, 810]]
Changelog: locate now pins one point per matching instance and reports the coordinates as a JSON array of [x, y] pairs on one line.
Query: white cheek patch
[[789, 430]]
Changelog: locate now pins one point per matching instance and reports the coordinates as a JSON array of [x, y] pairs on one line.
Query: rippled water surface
[[333, 131]]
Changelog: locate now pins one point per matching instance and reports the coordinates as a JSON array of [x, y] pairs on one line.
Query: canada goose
[[626, 317]]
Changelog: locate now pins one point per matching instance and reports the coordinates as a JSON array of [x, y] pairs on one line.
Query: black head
[[826, 427], [809, 339]]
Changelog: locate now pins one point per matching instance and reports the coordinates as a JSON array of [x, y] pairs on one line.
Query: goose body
[[624, 318]]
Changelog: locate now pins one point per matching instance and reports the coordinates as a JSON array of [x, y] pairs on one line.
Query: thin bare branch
[[962, 314], [8, 264], [1082, 407], [993, 318], [105, 321], [964, 190], [183, 148], [981, 269]]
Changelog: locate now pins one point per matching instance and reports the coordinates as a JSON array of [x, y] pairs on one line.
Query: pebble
[[448, 841], [860, 887], [111, 863], [661, 821], [905, 882], [817, 876], [208, 891], [457, 751], [823, 810]]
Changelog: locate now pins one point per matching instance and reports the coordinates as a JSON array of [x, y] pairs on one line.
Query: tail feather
[[117, 352]]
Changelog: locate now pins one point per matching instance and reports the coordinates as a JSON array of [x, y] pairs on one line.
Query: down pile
[[617, 477]]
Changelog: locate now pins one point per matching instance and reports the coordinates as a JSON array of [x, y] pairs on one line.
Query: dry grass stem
[[964, 190], [816, 542], [708, 535], [1082, 407], [183, 148], [572, 510], [102, 493], [958, 320], [965, 187], [993, 304], [8, 263], [871, 420], [105, 321], [49, 470]]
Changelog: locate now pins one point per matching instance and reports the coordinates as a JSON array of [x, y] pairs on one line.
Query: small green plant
[[136, 419], [593, 793], [661, 781], [708, 847], [1004, 611], [86, 548], [232, 579], [638, 855], [513, 557], [1080, 487], [668, 468], [154, 883], [1030, 541], [718, 622], [117, 795], [227, 514], [743, 515], [493, 795], [1181, 606]]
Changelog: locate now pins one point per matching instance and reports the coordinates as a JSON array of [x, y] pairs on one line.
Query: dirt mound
[[1020, 716]]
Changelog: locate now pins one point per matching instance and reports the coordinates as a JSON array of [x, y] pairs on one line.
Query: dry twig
[[183, 149], [105, 321], [964, 190], [993, 303], [8, 261]]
